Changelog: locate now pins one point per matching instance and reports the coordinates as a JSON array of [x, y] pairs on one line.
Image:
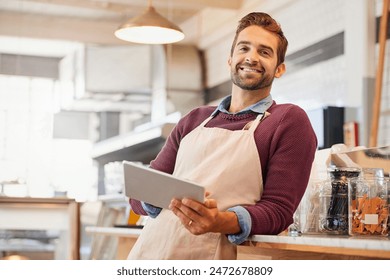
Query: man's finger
[[210, 203]]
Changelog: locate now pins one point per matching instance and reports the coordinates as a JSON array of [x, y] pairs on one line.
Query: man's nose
[[252, 57]]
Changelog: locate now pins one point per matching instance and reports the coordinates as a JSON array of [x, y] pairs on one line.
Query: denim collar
[[259, 107]]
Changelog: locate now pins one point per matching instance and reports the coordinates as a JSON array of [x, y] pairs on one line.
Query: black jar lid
[[343, 173]]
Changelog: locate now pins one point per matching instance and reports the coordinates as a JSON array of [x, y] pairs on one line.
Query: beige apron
[[225, 162]]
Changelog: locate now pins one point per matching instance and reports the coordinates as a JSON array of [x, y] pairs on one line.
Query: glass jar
[[311, 208], [333, 216], [388, 203], [368, 206]]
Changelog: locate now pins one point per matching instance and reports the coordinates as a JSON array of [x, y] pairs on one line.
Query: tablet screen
[[156, 187]]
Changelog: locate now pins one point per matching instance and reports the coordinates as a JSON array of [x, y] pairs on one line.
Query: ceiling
[[92, 21], [55, 28]]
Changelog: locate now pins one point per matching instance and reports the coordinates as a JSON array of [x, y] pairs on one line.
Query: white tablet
[[156, 187]]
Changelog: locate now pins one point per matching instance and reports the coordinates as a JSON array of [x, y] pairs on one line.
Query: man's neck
[[244, 98]]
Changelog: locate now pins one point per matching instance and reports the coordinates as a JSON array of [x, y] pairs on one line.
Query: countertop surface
[[340, 241], [348, 242]]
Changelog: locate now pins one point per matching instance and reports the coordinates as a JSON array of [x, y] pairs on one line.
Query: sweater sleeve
[[286, 171], [136, 206]]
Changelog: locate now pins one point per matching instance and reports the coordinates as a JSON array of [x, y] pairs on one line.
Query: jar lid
[[343, 173]]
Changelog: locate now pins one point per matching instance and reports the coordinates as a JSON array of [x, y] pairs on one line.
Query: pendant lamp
[[149, 28]]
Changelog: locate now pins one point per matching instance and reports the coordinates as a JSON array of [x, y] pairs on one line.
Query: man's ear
[[230, 61], [280, 70]]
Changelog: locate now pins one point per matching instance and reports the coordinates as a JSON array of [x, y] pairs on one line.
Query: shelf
[[145, 136], [113, 231], [25, 245]]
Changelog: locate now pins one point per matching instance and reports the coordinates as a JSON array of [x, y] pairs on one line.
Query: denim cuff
[[245, 222], [151, 210]]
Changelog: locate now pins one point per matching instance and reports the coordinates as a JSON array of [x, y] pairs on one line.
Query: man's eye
[[265, 52]]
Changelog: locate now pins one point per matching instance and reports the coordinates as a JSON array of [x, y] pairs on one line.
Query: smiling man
[[252, 155]]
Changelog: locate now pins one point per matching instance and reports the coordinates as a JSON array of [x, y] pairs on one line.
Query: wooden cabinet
[[62, 214], [314, 247]]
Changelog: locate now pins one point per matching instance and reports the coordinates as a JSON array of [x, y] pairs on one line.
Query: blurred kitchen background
[[75, 101]]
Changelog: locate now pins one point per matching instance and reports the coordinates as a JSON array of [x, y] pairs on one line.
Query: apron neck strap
[[257, 121], [206, 121]]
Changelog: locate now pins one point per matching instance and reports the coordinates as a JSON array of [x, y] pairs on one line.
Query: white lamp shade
[[149, 28]]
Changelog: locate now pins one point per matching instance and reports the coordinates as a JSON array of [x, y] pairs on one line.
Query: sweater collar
[[260, 107]]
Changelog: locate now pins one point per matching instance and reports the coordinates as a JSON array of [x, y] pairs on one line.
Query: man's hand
[[200, 218]]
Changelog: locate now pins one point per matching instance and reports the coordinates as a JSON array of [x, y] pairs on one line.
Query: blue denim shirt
[[259, 107], [244, 218]]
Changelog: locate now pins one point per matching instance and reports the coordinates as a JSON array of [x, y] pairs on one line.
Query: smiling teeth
[[250, 70]]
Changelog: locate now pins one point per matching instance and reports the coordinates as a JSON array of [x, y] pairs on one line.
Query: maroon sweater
[[286, 144]]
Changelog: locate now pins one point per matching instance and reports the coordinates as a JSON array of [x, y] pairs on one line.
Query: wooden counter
[[314, 247], [26, 213], [280, 246]]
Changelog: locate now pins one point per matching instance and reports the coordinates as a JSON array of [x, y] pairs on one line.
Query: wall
[[327, 82]]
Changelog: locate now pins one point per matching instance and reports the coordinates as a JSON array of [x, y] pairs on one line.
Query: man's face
[[253, 64]]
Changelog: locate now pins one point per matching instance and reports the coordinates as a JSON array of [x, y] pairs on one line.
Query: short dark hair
[[268, 23]]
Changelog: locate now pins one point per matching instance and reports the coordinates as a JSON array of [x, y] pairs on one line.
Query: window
[[28, 152]]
